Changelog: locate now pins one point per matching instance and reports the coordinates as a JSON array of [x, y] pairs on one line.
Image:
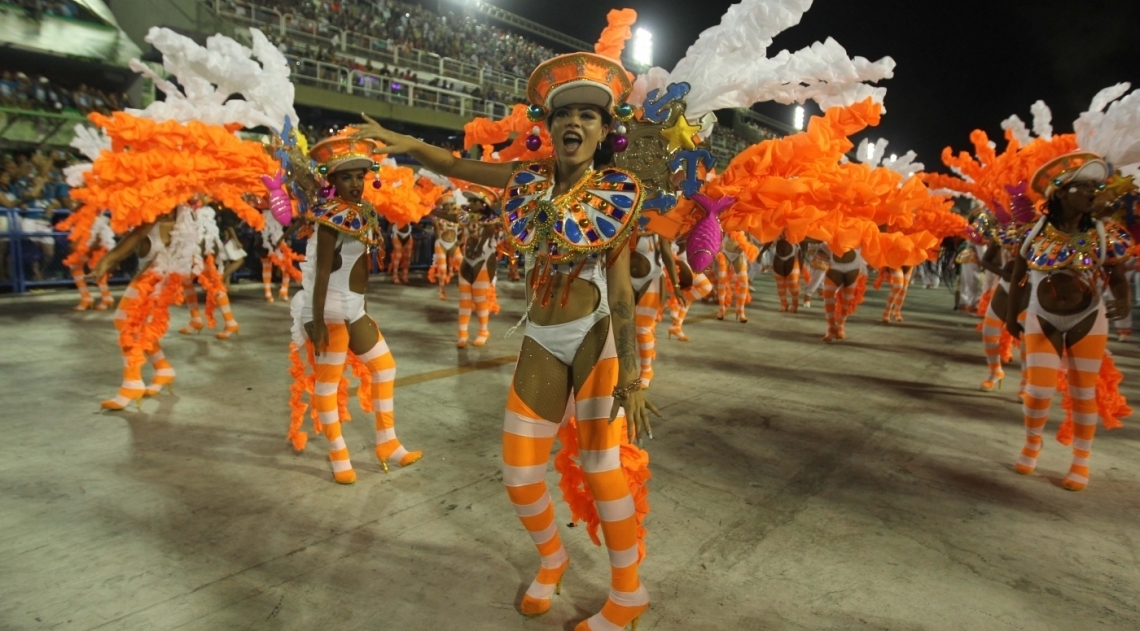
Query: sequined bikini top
[[1052, 250], [597, 213], [358, 221]]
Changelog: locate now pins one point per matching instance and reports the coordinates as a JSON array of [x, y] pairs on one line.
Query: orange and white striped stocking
[[645, 319], [788, 288], [163, 372], [78, 274], [599, 444], [527, 441], [466, 307], [700, 288], [480, 292], [396, 262], [743, 295], [846, 307], [267, 277], [903, 288], [1042, 365], [992, 327], [132, 388], [440, 272], [329, 368], [382, 366], [105, 299], [896, 278], [232, 327], [190, 296], [831, 307]]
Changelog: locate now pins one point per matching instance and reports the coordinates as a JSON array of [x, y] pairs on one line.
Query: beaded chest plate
[[356, 220], [597, 213], [1055, 250]]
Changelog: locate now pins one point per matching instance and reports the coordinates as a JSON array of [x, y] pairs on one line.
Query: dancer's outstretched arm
[[437, 159]]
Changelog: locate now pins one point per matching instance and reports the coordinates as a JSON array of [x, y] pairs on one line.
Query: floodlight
[[799, 119], [643, 47]]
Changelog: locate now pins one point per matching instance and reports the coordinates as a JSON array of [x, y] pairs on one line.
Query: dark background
[[960, 65]]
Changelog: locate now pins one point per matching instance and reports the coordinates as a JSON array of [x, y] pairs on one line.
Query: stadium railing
[[299, 30]]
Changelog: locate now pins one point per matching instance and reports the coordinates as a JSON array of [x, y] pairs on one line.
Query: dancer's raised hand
[[393, 142]]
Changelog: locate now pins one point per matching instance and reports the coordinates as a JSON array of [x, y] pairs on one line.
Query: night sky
[[961, 65]]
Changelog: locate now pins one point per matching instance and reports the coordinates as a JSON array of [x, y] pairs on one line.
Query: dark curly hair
[[1055, 212]]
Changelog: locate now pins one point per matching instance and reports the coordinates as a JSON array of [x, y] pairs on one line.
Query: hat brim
[[581, 93], [1091, 171], [351, 164]]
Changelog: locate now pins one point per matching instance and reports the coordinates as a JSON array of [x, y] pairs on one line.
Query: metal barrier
[[32, 253], [32, 257]]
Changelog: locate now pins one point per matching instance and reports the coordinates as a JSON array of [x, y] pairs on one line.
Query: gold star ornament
[[680, 135]]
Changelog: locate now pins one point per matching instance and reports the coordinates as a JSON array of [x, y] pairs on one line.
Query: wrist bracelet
[[621, 394]]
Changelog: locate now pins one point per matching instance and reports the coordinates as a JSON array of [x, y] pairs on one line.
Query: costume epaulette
[[598, 212]]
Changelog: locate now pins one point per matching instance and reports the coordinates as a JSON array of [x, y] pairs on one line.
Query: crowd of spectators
[[36, 9], [32, 183], [38, 92], [394, 24]]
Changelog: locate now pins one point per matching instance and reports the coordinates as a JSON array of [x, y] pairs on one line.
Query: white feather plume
[[102, 236], [272, 232], [90, 141], [905, 165], [1017, 126], [1113, 133], [728, 66], [209, 76], [436, 179], [1042, 120], [73, 174]]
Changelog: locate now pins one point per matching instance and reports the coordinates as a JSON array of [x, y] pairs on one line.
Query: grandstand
[[425, 70]]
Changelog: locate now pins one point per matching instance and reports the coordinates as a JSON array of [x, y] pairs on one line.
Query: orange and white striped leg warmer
[[454, 263], [1085, 358], [1021, 349], [232, 327], [599, 443], [1042, 362], [700, 288], [781, 290], [382, 366], [992, 327], [329, 368], [78, 274], [466, 306], [645, 319], [267, 278], [190, 295], [440, 273], [794, 288], [396, 262], [480, 292], [901, 298], [527, 441], [406, 260], [132, 388], [722, 296], [847, 305], [743, 295], [163, 372], [831, 307], [284, 292], [893, 297], [105, 299]]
